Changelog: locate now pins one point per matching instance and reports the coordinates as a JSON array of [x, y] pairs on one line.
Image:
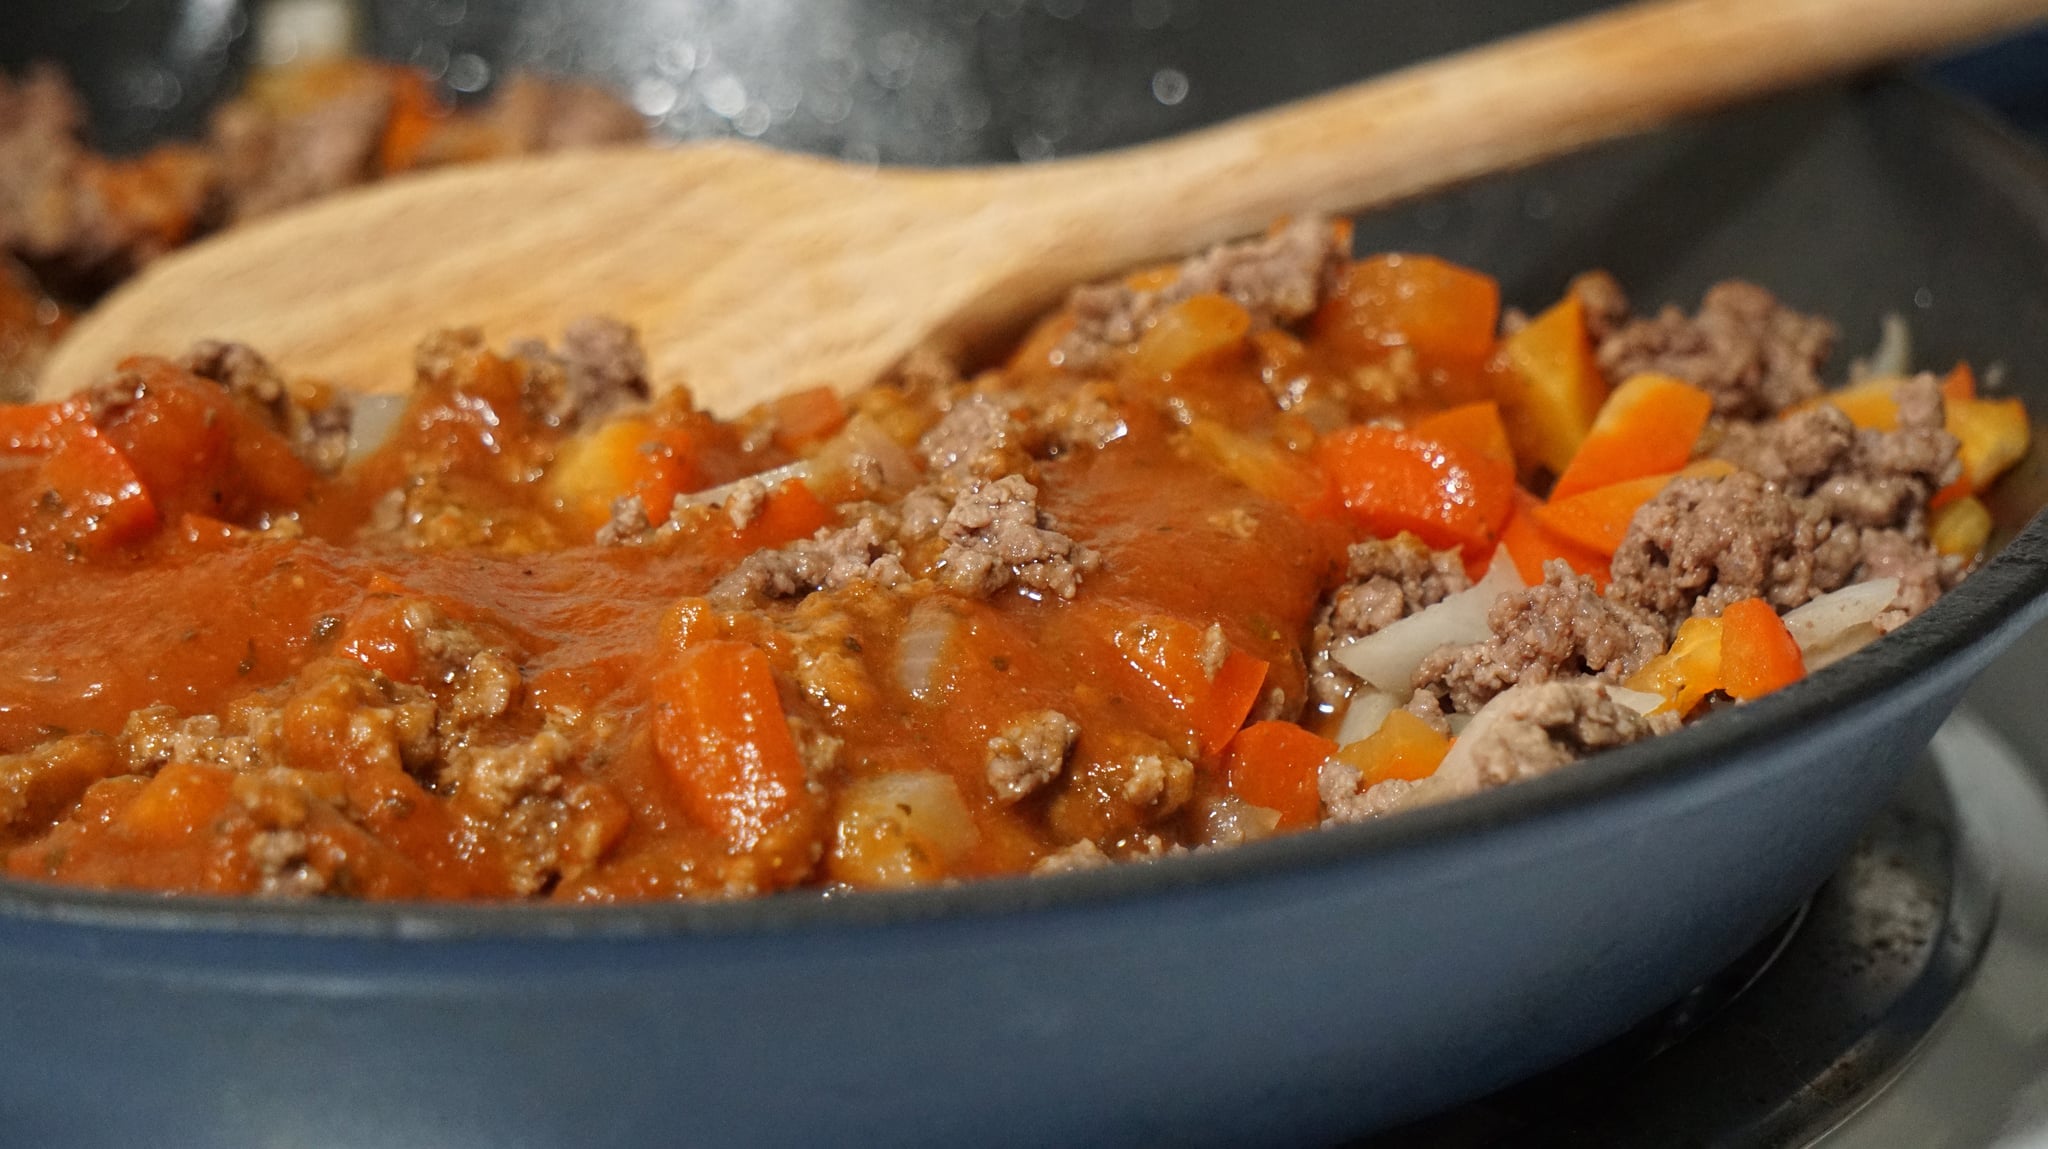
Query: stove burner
[[1791, 1039]]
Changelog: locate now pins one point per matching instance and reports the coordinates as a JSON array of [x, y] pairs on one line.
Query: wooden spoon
[[751, 273]]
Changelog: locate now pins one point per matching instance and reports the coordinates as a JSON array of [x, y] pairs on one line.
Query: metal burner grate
[[1787, 1042]]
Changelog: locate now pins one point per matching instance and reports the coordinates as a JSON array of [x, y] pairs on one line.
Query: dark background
[[897, 81]]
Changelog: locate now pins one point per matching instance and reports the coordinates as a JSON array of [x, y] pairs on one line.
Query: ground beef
[[1526, 731], [864, 550], [1562, 627], [1819, 504], [271, 158], [315, 423], [1280, 278], [1082, 855], [599, 367], [995, 535], [1753, 355], [980, 435], [83, 221], [1029, 754], [1704, 542], [1386, 580], [1603, 302]]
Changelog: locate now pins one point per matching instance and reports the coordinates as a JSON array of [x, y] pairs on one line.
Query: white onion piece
[[893, 827], [771, 478], [1362, 718], [371, 423], [1387, 659], [1458, 723], [1640, 701], [863, 438], [1839, 623], [925, 635]]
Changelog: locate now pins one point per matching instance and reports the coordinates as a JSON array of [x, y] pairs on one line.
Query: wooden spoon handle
[[1511, 103]]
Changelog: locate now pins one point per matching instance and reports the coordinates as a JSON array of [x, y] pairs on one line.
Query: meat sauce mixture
[[1268, 539], [73, 222]]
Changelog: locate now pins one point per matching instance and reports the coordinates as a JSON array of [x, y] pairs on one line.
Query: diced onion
[[1839, 623], [1640, 701], [1387, 659], [862, 438], [1893, 355], [925, 634], [1228, 820], [900, 829], [771, 478], [373, 419], [1362, 718]]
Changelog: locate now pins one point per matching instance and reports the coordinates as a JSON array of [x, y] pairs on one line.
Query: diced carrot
[[415, 115], [1167, 653], [1201, 329], [1758, 655], [791, 512], [1445, 312], [1552, 388], [33, 426], [183, 799], [1274, 764], [1959, 385], [1872, 405], [625, 457], [1598, 519], [1689, 671], [196, 450], [1961, 528], [1531, 544], [807, 418], [1476, 430], [1993, 435], [720, 730], [379, 637], [1647, 427], [1230, 700], [1392, 480], [104, 503], [1404, 747]]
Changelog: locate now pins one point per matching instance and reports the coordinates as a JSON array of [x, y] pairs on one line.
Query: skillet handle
[[1525, 99]]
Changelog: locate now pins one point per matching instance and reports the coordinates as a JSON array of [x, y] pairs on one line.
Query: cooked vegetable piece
[[1758, 655], [1167, 653], [98, 500], [1685, 674], [1993, 434], [1404, 747], [625, 457], [1531, 544], [1959, 384], [1274, 765], [1552, 388], [1199, 330], [1598, 519], [807, 418], [1647, 427], [1287, 478], [1961, 528], [719, 729], [1446, 313], [1391, 480]]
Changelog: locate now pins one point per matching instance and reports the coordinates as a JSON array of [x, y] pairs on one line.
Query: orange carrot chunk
[[1391, 480], [1531, 544], [807, 418], [1167, 654], [1685, 674], [1274, 764], [1598, 519], [1404, 747], [720, 731], [1758, 655], [1552, 387], [1443, 311], [1647, 427]]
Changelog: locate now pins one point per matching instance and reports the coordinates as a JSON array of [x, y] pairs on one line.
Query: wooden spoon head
[[749, 273]]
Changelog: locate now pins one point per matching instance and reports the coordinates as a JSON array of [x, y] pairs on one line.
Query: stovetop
[[1905, 1005]]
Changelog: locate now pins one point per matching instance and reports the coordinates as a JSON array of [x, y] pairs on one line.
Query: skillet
[[1297, 990]]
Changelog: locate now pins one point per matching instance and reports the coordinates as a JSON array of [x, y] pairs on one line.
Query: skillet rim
[[1991, 607]]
